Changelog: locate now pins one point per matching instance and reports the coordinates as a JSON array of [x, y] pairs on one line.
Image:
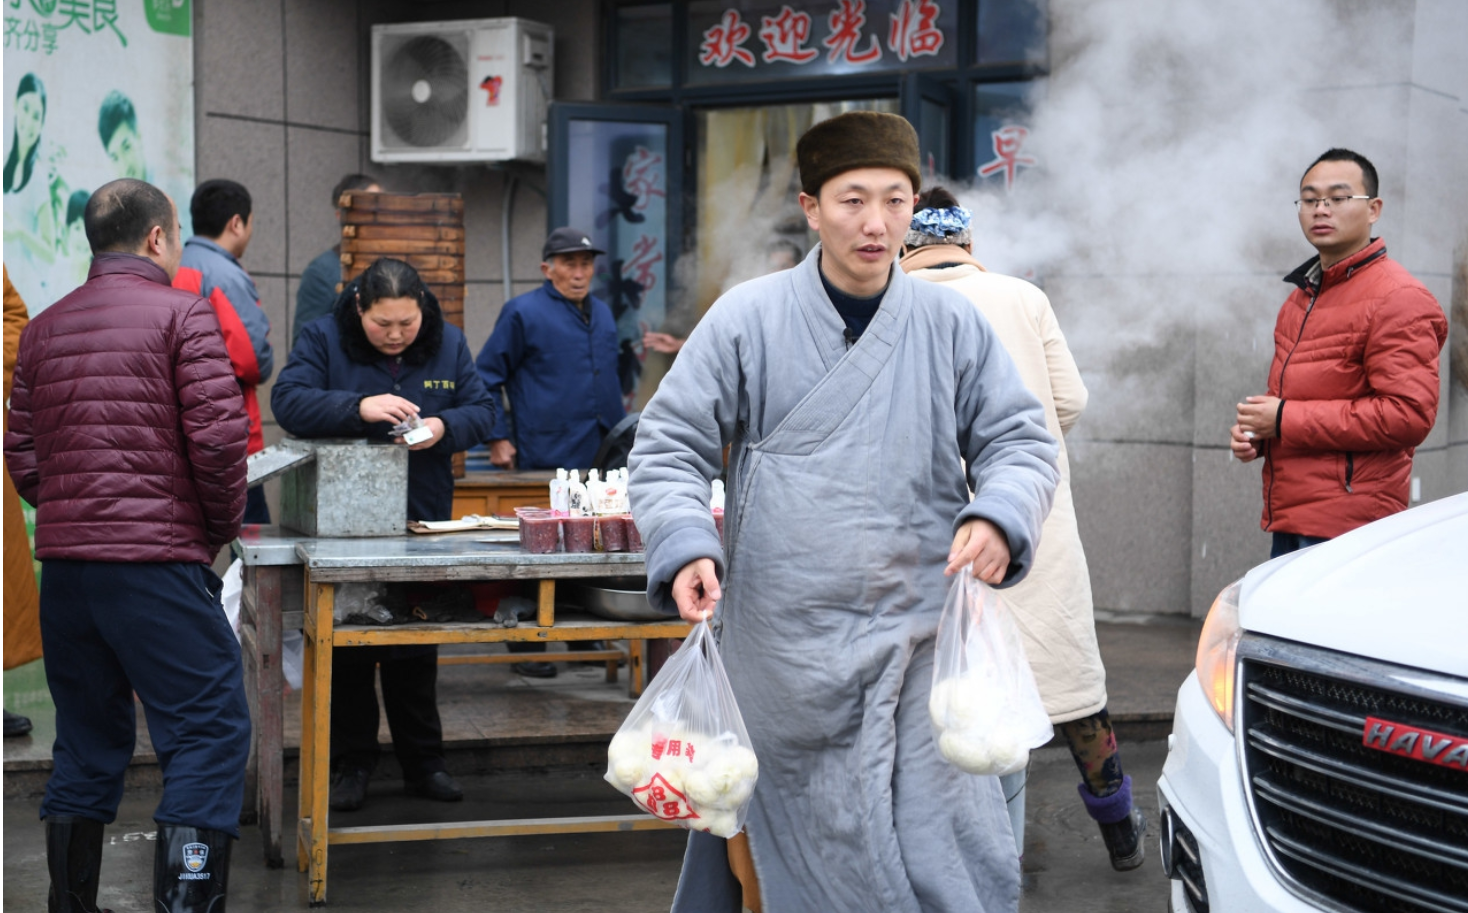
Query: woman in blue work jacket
[[384, 355]]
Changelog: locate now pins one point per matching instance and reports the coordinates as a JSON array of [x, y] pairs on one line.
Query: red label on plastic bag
[[672, 748], [662, 800]]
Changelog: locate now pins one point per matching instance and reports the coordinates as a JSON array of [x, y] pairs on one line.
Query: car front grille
[[1368, 830]]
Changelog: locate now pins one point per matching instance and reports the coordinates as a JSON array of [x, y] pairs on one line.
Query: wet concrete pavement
[[512, 766], [1065, 861]]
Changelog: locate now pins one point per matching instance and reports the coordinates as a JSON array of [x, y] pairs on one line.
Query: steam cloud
[[1171, 137]]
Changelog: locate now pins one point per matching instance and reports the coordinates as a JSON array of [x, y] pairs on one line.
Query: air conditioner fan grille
[[425, 91]]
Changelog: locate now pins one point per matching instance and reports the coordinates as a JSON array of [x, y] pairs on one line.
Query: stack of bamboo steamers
[[425, 230]]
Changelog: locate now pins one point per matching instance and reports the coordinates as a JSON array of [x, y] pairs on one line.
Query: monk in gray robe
[[861, 407]]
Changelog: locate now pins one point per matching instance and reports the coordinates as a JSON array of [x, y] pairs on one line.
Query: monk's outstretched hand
[[696, 590], [981, 546]]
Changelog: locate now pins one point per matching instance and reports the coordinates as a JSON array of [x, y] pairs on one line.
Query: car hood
[[1394, 590]]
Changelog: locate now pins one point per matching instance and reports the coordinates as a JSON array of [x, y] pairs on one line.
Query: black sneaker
[[349, 789], [438, 786], [535, 669], [1125, 840], [15, 724]]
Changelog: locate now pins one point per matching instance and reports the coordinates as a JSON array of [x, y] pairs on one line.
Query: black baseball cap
[[567, 241]]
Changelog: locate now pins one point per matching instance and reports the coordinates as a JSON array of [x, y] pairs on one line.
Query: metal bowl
[[617, 598]]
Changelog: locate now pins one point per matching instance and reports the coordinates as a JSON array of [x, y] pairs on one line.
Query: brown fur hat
[[857, 139]]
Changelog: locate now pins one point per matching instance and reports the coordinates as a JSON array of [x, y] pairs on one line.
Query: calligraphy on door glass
[[1003, 144], [618, 191]]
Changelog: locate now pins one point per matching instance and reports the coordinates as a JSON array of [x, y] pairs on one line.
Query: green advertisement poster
[[171, 17], [94, 90]]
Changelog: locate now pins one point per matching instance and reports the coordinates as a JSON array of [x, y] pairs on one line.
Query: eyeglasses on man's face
[[1310, 204]]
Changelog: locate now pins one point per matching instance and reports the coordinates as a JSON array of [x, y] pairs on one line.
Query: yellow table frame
[[313, 833]]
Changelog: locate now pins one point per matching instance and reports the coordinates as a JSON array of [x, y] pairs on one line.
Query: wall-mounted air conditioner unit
[[476, 90]]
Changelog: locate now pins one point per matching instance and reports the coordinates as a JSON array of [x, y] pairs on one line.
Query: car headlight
[[1216, 651]]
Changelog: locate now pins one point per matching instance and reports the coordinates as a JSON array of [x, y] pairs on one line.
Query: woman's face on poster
[[126, 152], [30, 113]]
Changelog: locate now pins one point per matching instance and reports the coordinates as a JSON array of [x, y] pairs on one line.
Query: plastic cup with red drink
[[540, 530]]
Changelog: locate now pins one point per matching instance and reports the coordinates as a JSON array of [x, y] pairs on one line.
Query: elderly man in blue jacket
[[554, 353]]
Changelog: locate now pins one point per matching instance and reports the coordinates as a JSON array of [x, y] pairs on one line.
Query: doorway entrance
[[749, 220]]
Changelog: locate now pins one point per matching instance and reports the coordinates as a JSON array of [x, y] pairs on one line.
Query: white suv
[[1319, 753]]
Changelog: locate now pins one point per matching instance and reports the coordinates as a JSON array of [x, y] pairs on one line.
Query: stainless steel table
[[329, 562], [270, 604], [275, 565]]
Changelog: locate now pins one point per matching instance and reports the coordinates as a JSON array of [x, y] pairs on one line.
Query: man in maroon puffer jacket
[[1354, 385], [128, 434]]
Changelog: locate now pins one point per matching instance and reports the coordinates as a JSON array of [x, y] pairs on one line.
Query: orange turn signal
[[1217, 648]]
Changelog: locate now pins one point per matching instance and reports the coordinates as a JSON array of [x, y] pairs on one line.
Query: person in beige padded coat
[[1053, 604]]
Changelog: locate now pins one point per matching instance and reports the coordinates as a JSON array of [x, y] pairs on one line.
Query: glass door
[[616, 172], [747, 197], [929, 105]]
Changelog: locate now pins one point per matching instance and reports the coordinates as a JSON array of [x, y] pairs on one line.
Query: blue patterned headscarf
[[939, 226]]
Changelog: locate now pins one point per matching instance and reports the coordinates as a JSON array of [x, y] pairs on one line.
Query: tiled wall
[[1167, 517]]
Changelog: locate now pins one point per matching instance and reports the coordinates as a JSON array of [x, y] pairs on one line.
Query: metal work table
[[329, 562], [290, 581], [270, 604]]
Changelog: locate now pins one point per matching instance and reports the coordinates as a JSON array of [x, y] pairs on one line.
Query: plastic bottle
[[611, 494], [624, 504], [577, 504], [716, 504], [579, 526], [558, 486], [716, 495], [594, 490]]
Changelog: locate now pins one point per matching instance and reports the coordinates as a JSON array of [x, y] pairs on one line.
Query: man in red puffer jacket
[[1354, 385], [224, 223], [128, 434]]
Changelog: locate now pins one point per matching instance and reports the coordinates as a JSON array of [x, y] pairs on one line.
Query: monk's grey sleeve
[[1011, 457], [679, 451]]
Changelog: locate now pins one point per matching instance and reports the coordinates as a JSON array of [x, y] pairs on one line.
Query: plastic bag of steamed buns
[[986, 711], [683, 754]]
